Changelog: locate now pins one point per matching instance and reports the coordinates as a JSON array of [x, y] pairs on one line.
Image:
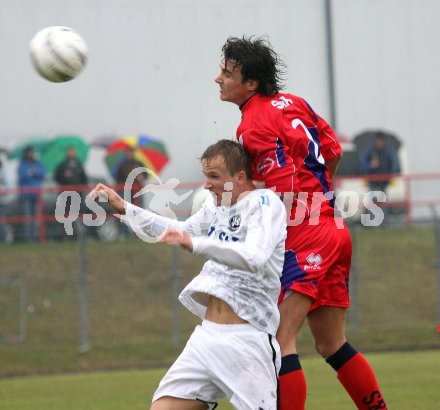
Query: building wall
[[386, 72], [152, 66]]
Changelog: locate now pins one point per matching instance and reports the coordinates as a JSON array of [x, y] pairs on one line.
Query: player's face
[[230, 80], [218, 180]]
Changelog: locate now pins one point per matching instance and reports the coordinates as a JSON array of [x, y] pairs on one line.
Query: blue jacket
[[30, 175], [387, 158]]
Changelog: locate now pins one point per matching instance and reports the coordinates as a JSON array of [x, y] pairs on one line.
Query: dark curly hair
[[257, 61]]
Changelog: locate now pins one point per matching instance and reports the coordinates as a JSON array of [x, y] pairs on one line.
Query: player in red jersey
[[295, 151]]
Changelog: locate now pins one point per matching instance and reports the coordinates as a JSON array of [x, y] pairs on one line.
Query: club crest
[[234, 222]]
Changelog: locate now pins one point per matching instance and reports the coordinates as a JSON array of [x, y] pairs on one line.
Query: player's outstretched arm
[[143, 221], [110, 195]]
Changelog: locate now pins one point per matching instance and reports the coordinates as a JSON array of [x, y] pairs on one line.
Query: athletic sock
[[292, 384], [357, 377]]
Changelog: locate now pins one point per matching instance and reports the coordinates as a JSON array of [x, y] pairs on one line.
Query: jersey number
[[318, 155]]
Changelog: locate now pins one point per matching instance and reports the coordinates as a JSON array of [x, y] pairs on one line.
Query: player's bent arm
[[265, 232], [332, 165], [331, 149]]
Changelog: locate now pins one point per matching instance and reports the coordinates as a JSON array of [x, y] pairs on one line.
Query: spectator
[[30, 178], [128, 164], [380, 159], [71, 172]]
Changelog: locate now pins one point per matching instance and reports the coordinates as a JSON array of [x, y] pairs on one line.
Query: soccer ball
[[58, 53]]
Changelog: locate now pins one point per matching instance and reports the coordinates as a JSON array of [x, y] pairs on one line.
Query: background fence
[[82, 303]]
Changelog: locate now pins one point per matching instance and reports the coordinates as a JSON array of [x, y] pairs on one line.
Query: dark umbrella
[[104, 141], [365, 140]]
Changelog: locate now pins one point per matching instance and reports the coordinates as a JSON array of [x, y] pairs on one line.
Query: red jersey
[[289, 144]]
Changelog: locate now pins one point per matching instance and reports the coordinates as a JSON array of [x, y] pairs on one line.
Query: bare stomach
[[220, 312]]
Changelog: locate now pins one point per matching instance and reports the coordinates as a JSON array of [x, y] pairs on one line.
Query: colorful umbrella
[[150, 152]]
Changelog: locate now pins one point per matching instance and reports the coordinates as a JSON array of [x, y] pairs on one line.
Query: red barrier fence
[[407, 193]]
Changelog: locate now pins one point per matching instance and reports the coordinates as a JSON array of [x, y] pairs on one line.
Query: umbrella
[[51, 152], [55, 152], [149, 151], [365, 140], [38, 144], [104, 141]]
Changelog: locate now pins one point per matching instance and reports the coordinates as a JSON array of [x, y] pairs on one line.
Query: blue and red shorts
[[317, 262]]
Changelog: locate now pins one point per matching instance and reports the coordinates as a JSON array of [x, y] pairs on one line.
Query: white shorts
[[236, 361]]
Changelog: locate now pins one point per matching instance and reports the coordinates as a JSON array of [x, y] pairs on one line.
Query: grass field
[[129, 293], [130, 304], [409, 380]]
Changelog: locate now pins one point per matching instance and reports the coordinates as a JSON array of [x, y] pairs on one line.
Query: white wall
[[152, 65], [151, 69], [387, 65]]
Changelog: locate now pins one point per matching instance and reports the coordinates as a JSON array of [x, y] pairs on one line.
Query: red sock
[[357, 377], [292, 395]]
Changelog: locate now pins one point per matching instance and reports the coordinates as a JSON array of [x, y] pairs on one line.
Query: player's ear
[[253, 85], [241, 176]]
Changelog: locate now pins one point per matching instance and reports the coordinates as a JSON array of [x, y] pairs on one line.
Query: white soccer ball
[[58, 53]]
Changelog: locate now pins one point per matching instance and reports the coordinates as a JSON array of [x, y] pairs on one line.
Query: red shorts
[[317, 262]]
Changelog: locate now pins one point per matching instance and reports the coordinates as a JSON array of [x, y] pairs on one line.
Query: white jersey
[[245, 246]]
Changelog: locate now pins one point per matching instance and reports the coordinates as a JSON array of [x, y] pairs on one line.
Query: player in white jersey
[[241, 230]]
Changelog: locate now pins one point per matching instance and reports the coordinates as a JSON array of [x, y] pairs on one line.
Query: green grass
[[129, 304], [409, 380], [130, 301]]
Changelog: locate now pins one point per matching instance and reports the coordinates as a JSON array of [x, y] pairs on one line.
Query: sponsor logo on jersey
[[264, 200], [234, 222], [222, 235], [265, 165], [313, 262], [281, 103]]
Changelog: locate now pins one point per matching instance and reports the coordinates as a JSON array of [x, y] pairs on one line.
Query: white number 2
[[318, 155]]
